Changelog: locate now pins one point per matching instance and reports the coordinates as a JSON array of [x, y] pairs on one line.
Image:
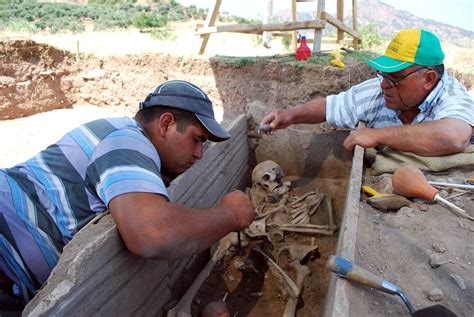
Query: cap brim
[[388, 65], [216, 132]]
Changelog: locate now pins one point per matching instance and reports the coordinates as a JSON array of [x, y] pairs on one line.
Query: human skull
[[268, 175]]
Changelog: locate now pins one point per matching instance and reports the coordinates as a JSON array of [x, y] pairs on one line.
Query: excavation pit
[[314, 160], [98, 276]]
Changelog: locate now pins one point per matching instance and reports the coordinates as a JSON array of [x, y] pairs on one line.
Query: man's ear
[[165, 122], [431, 79]]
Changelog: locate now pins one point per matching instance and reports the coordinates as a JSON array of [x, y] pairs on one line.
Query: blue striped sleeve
[[124, 162]]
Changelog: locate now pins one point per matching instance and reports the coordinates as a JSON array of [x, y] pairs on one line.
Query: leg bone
[[301, 272], [183, 307], [294, 291]]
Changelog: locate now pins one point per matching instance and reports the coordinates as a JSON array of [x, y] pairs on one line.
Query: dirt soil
[[37, 78], [253, 286], [425, 249]]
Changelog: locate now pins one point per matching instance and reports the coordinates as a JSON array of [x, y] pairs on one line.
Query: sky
[[458, 13]]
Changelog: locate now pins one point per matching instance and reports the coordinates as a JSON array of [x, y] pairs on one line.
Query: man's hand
[[277, 119], [364, 137], [312, 111], [239, 204], [433, 138]]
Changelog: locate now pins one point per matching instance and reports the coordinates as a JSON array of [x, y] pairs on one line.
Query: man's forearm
[[154, 228], [192, 231], [433, 138], [151, 227], [313, 111]]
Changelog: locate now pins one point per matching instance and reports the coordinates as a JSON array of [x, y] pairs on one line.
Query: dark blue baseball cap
[[183, 95]]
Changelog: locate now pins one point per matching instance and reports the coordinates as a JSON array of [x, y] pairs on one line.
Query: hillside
[[390, 20]]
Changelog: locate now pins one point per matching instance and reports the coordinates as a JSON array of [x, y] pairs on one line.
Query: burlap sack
[[387, 160]]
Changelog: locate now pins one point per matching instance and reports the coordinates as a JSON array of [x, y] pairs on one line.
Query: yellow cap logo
[[404, 46]]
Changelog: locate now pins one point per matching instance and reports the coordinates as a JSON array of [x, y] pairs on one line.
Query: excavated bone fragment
[[307, 228], [267, 183], [330, 210], [302, 271], [280, 208], [275, 235], [300, 252], [293, 289], [183, 307], [256, 229]]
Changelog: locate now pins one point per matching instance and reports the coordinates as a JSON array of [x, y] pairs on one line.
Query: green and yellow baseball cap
[[408, 47]]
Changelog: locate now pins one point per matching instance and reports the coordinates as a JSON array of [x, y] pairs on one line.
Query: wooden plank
[[332, 20], [323, 41], [355, 25], [337, 301], [259, 28], [318, 33], [293, 19], [340, 18], [210, 20], [156, 302], [267, 18], [343, 42], [148, 276]]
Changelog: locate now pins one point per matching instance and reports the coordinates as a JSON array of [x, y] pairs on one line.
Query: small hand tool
[[384, 201], [266, 128], [239, 242], [409, 181], [464, 186], [346, 269]]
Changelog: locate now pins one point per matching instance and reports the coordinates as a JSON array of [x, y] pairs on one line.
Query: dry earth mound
[[31, 79]]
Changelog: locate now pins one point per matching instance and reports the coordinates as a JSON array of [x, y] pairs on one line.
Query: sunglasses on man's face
[[392, 82]]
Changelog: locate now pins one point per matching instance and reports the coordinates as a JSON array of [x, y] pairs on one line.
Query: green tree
[[143, 20], [370, 36]]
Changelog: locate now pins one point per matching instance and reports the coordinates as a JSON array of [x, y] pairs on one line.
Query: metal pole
[[452, 185], [453, 207]]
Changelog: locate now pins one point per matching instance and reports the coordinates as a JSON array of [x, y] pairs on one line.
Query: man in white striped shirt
[[413, 105]]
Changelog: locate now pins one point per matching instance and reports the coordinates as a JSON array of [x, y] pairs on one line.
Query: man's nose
[[198, 151], [385, 83]]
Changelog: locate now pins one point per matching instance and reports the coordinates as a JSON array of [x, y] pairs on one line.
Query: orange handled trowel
[[384, 202]]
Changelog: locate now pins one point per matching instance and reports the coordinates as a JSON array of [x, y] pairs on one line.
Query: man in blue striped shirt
[[120, 164], [413, 105]]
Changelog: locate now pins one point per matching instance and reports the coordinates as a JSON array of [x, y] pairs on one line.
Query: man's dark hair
[[183, 118]]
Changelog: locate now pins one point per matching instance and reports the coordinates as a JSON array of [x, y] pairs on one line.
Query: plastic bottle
[[303, 52]]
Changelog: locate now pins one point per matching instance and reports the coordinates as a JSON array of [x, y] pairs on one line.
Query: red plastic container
[[303, 52]]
